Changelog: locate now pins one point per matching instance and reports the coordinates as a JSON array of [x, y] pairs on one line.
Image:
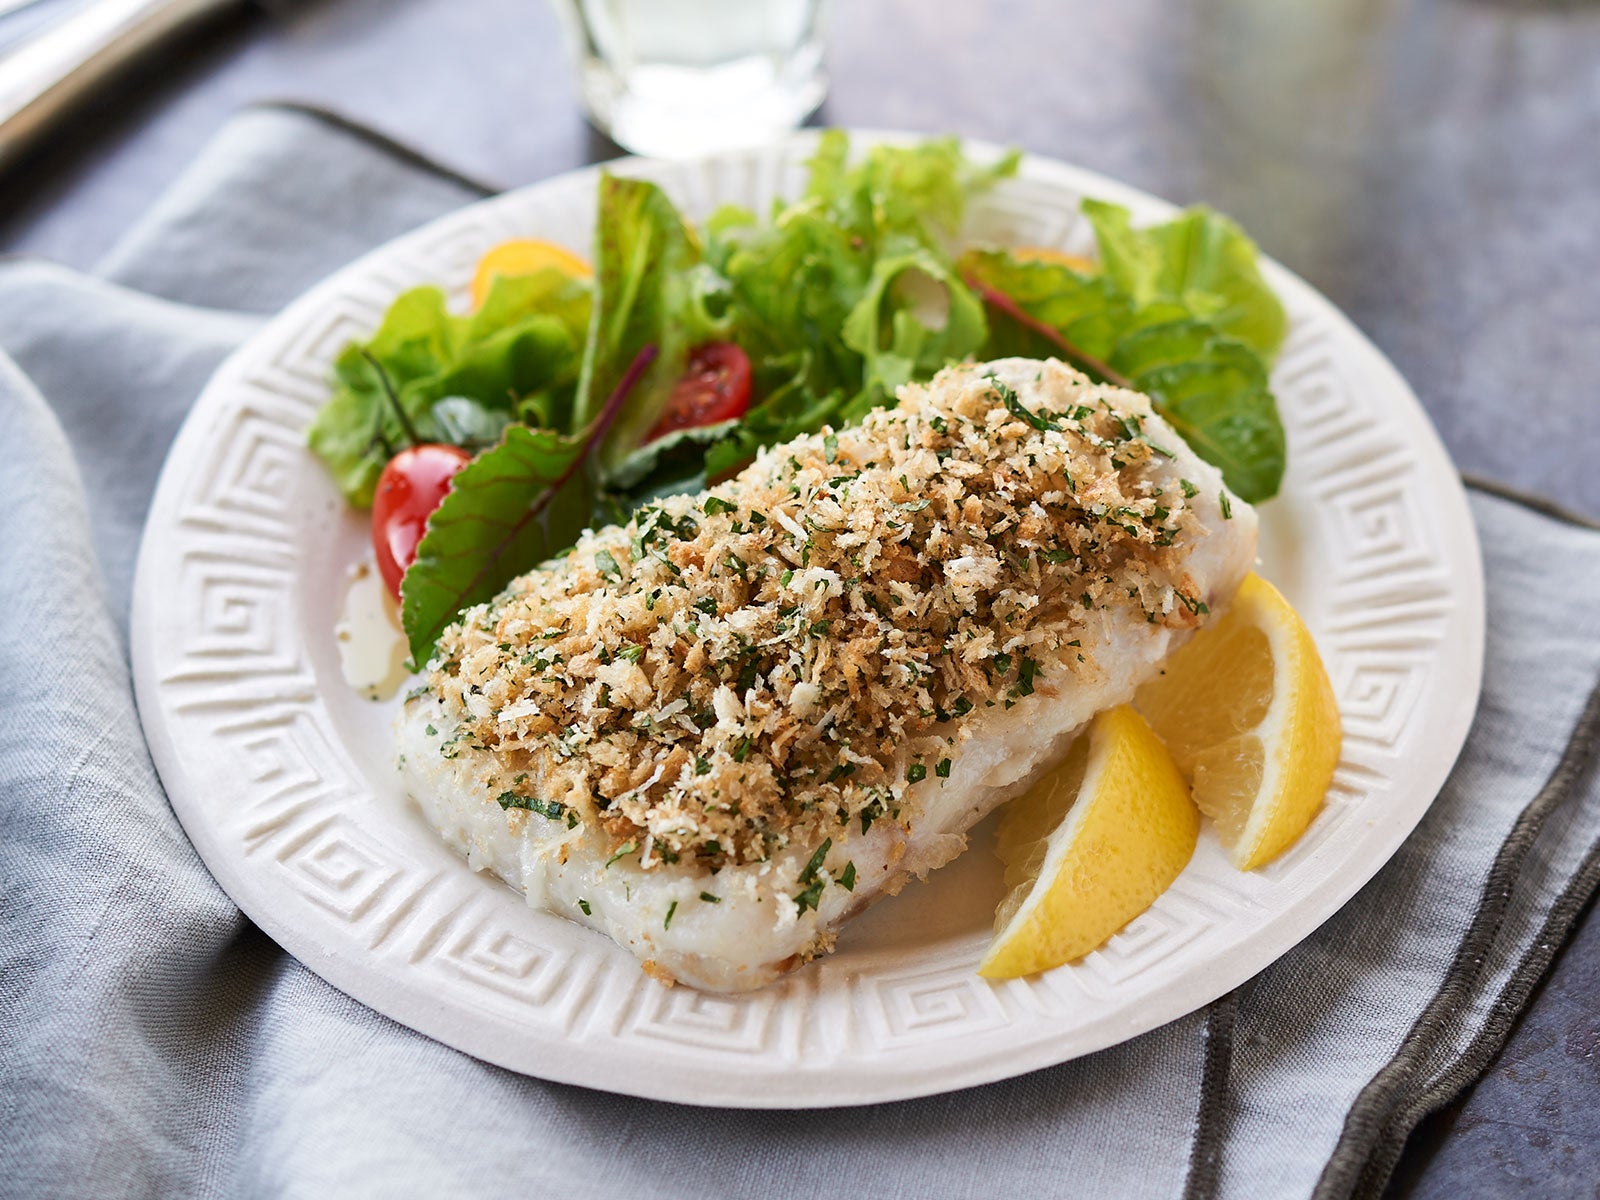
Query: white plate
[[283, 777]]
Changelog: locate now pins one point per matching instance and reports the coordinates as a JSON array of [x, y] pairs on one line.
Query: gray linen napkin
[[152, 1042]]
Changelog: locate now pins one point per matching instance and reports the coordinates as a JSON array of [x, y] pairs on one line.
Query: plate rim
[[369, 981]]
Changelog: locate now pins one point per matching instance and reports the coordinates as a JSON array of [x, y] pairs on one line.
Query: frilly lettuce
[[849, 291]]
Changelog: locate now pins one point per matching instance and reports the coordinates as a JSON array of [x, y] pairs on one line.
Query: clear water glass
[[676, 78]]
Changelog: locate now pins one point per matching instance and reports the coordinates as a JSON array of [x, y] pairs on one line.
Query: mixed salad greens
[[565, 400]]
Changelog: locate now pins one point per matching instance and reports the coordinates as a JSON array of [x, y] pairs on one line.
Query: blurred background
[[1432, 165]]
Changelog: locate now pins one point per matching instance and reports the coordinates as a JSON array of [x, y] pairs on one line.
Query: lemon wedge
[[1250, 717], [524, 256], [1089, 847]]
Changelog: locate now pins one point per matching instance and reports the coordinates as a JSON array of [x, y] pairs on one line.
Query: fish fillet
[[717, 732]]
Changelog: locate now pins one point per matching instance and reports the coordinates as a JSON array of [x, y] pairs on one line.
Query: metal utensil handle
[[51, 72], [7, 7]]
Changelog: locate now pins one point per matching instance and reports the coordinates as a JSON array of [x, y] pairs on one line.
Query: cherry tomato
[[715, 387], [409, 489]]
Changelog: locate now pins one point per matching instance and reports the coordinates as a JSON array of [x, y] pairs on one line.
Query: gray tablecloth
[[152, 1042]]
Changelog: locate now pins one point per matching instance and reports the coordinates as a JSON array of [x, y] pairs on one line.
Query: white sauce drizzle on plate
[[372, 648]]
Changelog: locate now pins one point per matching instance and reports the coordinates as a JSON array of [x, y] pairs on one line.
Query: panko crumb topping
[[785, 654]]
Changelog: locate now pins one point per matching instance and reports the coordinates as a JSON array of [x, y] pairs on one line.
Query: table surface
[[1431, 165]]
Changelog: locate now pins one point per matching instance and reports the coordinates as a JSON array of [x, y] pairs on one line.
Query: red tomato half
[[409, 489], [715, 387]]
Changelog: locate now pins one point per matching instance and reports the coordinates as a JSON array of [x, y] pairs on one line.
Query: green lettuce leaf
[[1200, 260], [523, 342], [355, 432], [671, 465], [678, 455], [820, 297], [1083, 309], [547, 293], [649, 290], [1213, 390], [468, 424], [919, 191], [792, 286], [898, 327]]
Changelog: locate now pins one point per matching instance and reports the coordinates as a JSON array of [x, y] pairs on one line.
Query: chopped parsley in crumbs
[[795, 651]]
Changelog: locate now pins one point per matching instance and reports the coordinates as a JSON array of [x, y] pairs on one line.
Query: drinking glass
[[677, 78]]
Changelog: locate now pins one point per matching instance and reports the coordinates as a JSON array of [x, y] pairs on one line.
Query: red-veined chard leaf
[[511, 508], [1178, 349], [649, 289]]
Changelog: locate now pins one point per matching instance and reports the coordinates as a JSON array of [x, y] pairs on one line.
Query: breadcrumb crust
[[731, 672]]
